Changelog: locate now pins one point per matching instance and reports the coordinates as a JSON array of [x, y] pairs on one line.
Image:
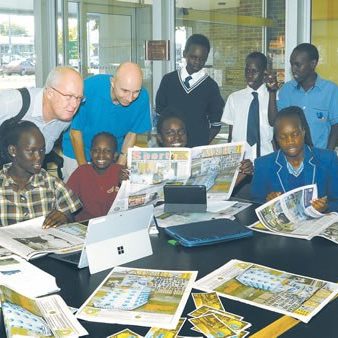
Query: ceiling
[[207, 5]]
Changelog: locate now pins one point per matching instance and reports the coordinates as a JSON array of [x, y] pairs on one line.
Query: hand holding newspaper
[[41, 317], [28, 239], [215, 166], [292, 214]]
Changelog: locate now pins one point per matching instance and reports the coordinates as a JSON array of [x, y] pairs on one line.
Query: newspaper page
[[40, 317], [29, 240], [139, 297], [291, 214], [167, 219], [150, 170], [126, 200], [330, 231], [24, 277], [216, 167], [275, 290]]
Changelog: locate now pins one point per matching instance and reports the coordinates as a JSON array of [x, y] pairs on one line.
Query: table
[[316, 258]]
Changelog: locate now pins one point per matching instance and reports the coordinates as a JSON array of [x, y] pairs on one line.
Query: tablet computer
[[185, 198]]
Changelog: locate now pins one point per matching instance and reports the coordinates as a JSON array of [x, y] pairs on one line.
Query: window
[[17, 54]]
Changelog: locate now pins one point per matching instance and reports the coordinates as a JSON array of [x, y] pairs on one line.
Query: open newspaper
[[291, 214], [275, 290], [26, 278], [139, 297], [40, 317], [29, 240], [215, 166]]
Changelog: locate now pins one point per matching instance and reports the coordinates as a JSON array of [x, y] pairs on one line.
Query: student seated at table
[[296, 164], [26, 190], [171, 132], [97, 183]]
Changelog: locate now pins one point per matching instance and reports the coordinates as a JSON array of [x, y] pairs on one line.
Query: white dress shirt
[[236, 114]]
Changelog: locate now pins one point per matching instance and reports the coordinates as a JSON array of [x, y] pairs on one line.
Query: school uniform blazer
[[320, 167]]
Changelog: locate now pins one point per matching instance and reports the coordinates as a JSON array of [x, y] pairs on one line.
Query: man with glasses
[[118, 105], [51, 108]]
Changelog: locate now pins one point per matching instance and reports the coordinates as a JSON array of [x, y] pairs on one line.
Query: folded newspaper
[[26, 278], [139, 297], [275, 290], [166, 219], [215, 166], [29, 240], [40, 317], [292, 214]]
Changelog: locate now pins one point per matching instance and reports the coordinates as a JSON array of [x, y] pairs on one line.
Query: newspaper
[[291, 214], [215, 166], [139, 297], [40, 317], [29, 240], [275, 290], [24, 277], [167, 219]]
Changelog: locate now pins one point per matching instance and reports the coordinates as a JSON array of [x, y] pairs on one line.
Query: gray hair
[[54, 75]]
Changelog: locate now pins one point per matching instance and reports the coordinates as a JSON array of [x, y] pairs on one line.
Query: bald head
[[126, 84]]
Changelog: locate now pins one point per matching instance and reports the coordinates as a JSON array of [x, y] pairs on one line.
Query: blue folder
[[208, 232]]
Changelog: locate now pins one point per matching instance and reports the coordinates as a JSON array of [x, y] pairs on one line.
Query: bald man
[[118, 105], [51, 108]]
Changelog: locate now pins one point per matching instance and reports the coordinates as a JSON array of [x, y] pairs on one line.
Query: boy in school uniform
[[191, 91], [246, 110]]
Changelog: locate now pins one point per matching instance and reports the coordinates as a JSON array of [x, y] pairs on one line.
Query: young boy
[[191, 91], [258, 133], [97, 183]]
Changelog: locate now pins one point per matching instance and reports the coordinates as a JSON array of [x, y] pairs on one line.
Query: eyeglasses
[[69, 97], [173, 132]]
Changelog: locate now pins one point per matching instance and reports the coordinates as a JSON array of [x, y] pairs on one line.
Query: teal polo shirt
[[98, 114]]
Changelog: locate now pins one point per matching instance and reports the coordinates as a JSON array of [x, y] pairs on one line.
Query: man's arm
[[129, 141], [78, 146], [230, 133], [272, 86], [272, 107], [333, 137], [213, 131]]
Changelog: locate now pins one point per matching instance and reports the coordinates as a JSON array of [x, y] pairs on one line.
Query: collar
[[195, 76], [319, 83], [261, 90], [37, 180], [309, 168]]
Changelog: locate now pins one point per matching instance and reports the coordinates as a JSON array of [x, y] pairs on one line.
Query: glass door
[[99, 35]]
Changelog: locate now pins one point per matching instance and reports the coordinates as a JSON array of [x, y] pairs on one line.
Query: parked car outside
[[23, 67]]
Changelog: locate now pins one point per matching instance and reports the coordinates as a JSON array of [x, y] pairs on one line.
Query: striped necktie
[[186, 81], [253, 132]]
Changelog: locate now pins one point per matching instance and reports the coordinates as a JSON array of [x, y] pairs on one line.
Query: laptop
[[114, 239]]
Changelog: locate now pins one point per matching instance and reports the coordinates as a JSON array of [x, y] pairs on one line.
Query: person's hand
[[271, 81], [246, 167], [124, 174], [320, 204], [273, 195], [54, 219]]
